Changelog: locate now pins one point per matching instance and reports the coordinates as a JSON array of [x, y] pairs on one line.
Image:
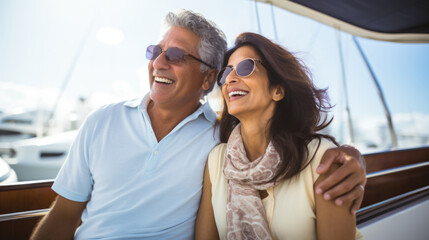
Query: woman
[[258, 183]]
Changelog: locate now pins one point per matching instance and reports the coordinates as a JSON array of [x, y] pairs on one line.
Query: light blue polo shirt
[[137, 187]]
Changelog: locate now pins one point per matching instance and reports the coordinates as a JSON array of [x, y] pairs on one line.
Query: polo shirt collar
[[205, 108]]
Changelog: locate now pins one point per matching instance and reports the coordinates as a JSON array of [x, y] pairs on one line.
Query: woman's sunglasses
[[243, 69], [173, 55]]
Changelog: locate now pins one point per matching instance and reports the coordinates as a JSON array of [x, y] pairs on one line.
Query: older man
[[136, 168]]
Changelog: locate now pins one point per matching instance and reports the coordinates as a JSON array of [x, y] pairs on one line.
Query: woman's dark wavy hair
[[298, 116]]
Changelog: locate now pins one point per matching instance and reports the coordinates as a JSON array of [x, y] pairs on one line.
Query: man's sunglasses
[[243, 69], [173, 55]]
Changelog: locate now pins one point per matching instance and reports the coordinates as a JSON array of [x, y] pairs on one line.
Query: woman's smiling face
[[248, 96]]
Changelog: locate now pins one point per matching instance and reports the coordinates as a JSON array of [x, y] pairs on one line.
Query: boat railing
[[394, 179], [22, 205]]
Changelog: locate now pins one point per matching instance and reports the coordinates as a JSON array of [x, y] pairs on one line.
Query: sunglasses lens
[[175, 55], [152, 52], [223, 74], [245, 67]]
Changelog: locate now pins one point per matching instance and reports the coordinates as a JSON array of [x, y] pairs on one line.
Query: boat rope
[[273, 18], [380, 94], [257, 17], [313, 39], [346, 95]]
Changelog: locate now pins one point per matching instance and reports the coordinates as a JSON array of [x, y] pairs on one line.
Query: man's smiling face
[[177, 84]]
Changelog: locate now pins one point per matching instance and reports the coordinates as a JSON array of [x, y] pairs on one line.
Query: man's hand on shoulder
[[347, 183]]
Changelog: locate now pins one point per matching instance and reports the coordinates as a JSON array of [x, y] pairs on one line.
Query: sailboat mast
[[346, 95], [380, 94]]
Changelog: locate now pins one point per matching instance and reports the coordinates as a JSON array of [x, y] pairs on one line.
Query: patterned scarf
[[245, 213]]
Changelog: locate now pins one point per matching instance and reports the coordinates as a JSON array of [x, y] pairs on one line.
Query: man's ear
[[278, 93], [209, 79]]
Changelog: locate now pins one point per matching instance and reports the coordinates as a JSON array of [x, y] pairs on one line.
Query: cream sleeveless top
[[290, 205]]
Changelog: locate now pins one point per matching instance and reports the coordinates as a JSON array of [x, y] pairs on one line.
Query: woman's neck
[[256, 137]]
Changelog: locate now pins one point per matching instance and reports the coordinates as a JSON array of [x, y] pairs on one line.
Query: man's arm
[[347, 183], [61, 221]]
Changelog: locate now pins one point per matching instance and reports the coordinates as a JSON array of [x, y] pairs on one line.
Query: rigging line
[[257, 17], [276, 37], [313, 39], [343, 76], [380, 94], [69, 73]]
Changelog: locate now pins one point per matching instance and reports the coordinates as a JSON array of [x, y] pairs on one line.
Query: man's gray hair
[[213, 41]]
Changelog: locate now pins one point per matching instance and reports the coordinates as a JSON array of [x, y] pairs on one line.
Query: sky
[[40, 40]]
